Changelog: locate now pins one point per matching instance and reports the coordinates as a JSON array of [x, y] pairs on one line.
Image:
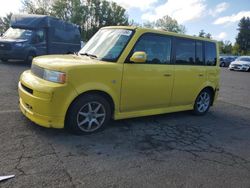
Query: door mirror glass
[[139, 57]]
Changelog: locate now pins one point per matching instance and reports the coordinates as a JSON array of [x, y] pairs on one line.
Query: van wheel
[[88, 114], [222, 64], [30, 57], [203, 102], [4, 60]]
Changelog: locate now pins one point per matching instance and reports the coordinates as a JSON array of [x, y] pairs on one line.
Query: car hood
[[64, 62], [6, 40], [240, 63]]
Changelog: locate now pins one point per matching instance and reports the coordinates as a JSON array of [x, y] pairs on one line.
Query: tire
[[4, 60], [30, 57], [203, 99], [82, 115], [222, 64]]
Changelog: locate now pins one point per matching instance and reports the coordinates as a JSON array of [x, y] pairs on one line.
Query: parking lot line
[[9, 111]]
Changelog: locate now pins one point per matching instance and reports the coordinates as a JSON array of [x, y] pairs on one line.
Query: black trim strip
[[27, 89]]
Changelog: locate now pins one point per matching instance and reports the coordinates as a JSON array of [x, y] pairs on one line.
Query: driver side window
[[157, 47], [39, 36]]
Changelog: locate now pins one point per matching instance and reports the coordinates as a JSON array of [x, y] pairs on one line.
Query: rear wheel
[[222, 64], [203, 102], [4, 59], [88, 114]]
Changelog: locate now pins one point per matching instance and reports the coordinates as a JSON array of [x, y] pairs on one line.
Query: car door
[[148, 85], [190, 72]]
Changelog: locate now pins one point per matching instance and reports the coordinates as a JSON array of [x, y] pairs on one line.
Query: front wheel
[[30, 57], [89, 113], [4, 60], [203, 102], [222, 64]]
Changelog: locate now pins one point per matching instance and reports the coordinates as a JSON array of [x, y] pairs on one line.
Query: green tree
[[134, 23], [166, 23], [169, 24], [236, 49], [149, 24], [37, 6], [203, 34], [208, 35], [5, 22], [225, 47], [90, 15], [228, 47], [243, 37]]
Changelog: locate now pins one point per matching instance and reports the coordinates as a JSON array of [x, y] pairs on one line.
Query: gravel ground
[[172, 150]]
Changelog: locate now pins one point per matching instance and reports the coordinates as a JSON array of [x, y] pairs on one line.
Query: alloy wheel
[[91, 116], [203, 102]]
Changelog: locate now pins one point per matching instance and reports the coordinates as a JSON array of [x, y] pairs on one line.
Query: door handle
[[167, 75]]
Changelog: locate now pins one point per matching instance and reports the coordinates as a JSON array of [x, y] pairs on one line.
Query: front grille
[[36, 70], [27, 89], [236, 66], [5, 46]]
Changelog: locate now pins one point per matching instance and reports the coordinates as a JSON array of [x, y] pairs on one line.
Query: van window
[[157, 48], [40, 36], [199, 53], [210, 53], [185, 51]]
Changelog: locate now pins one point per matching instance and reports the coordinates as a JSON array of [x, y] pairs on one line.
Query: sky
[[220, 18]]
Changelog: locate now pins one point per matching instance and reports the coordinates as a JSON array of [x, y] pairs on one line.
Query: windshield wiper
[[89, 55]]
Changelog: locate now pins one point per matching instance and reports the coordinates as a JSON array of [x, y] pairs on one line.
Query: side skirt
[[125, 115]]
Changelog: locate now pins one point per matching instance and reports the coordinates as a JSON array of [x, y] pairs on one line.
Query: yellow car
[[122, 72]]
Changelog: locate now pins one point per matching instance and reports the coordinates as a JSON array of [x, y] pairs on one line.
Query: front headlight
[[54, 76]]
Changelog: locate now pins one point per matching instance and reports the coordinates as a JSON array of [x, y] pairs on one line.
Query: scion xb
[[122, 72]]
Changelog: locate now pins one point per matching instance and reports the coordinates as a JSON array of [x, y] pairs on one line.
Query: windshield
[[107, 44], [14, 33], [243, 59]]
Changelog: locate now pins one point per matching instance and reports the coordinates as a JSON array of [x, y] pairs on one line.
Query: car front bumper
[[19, 54], [44, 103], [239, 68]]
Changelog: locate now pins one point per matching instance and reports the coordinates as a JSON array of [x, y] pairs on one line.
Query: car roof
[[160, 31], [245, 56]]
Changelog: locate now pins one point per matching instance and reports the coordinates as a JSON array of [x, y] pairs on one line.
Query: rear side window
[[185, 51], [157, 48], [199, 53], [210, 53], [188, 52]]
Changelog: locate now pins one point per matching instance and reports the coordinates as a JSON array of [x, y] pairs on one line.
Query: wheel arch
[[104, 94]]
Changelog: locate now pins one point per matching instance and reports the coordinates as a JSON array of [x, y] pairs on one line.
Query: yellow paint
[[136, 89]]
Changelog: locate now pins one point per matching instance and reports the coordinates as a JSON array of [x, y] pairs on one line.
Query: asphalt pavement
[[171, 150]]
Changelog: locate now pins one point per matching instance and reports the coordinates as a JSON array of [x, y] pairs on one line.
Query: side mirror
[[139, 57]]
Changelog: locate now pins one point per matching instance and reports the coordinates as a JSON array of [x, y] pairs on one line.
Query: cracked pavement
[[172, 150]]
